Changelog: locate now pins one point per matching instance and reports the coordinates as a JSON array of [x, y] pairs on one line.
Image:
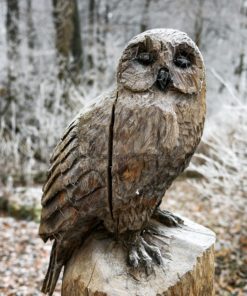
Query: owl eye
[[182, 61], [145, 58]]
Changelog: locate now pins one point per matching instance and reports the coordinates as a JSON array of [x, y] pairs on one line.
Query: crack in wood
[[110, 151]]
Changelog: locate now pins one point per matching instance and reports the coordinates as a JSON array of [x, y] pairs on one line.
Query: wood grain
[[116, 160], [99, 268]]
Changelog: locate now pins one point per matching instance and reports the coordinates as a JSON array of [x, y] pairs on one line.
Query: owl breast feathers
[[117, 159]]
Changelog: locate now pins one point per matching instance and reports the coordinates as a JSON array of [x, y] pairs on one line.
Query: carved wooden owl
[[116, 160]]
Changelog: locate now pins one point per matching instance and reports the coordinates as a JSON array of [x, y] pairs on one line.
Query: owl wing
[[76, 186]]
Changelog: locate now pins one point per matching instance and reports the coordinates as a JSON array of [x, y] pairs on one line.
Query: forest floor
[[231, 234], [24, 257]]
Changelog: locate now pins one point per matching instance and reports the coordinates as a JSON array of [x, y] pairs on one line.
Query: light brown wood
[[99, 266], [117, 159]]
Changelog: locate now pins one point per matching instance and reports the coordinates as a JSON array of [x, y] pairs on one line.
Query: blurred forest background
[[57, 55]]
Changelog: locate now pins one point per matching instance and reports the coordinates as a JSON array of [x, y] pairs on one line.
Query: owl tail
[[54, 269]]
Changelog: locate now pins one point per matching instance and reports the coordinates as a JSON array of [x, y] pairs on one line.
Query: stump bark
[[99, 267]]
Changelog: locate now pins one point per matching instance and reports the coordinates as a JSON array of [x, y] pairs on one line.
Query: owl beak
[[163, 79]]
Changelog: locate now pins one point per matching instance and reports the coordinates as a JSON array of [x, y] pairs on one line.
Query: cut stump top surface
[[99, 267]]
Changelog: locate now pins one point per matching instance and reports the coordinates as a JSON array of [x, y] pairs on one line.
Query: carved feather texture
[[76, 186]]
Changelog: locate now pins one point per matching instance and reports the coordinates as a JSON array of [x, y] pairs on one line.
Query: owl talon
[[141, 254], [133, 258], [167, 218], [154, 252]]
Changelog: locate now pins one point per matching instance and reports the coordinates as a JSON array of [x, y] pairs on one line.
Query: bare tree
[[30, 30], [144, 21], [76, 44], [13, 41], [91, 17], [102, 26], [68, 37], [199, 23]]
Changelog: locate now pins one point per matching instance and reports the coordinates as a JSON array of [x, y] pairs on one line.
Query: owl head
[[163, 59]]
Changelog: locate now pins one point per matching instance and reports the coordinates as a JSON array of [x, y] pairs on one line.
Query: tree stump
[[99, 267]]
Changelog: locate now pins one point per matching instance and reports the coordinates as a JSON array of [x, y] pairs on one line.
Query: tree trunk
[[63, 20], [90, 56], [68, 36], [13, 41], [76, 46], [99, 266], [199, 23], [144, 21], [68, 45]]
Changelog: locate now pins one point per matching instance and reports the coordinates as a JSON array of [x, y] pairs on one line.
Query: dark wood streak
[[110, 150]]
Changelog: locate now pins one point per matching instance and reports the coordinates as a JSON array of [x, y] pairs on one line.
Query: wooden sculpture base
[[99, 267]]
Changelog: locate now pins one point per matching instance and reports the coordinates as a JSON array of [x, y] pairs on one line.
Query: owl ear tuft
[[148, 43]]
